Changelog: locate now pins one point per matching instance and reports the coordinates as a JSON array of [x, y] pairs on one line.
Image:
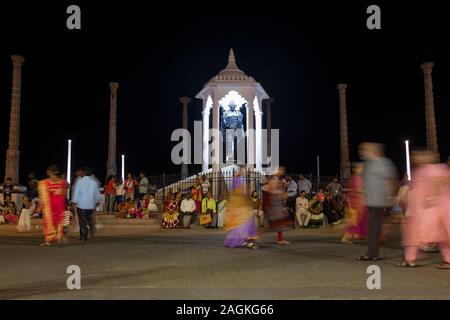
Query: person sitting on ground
[[10, 210], [187, 209], [170, 213], [152, 207], [316, 209], [331, 210], [125, 207], [302, 210], [257, 209], [209, 207], [321, 195], [24, 224]]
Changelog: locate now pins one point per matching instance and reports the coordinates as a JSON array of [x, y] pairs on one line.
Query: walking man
[[379, 185], [86, 198]]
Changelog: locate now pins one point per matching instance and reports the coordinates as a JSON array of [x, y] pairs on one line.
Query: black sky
[[164, 50]]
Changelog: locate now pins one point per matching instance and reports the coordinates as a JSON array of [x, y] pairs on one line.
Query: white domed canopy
[[231, 73]]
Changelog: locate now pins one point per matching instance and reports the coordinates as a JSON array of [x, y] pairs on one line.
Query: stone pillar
[[216, 156], [269, 124], [205, 116], [432, 143], [345, 158], [250, 137], [13, 153], [185, 101], [111, 167]]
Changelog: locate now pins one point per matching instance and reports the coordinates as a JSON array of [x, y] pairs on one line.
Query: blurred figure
[[170, 213], [305, 185], [291, 189], [28, 207], [274, 199], [129, 187], [257, 209], [197, 195], [427, 218], [110, 194], [240, 222], [86, 197], [335, 189], [302, 210], [8, 188], [221, 211], [379, 184], [355, 209], [52, 193]]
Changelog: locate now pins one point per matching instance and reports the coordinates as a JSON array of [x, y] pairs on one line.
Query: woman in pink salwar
[[427, 218], [356, 211]]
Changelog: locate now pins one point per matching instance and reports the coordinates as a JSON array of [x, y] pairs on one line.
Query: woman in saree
[[427, 218], [197, 195], [355, 209], [52, 193], [170, 213], [240, 223], [274, 206]]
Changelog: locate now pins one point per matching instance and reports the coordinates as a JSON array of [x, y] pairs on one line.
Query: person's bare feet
[[283, 242]]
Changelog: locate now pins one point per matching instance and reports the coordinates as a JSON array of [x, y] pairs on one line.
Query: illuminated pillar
[[185, 101], [13, 152], [258, 136], [205, 116], [432, 143], [250, 137], [269, 124], [345, 158], [111, 168]]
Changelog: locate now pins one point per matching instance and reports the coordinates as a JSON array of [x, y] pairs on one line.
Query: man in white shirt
[[302, 209], [143, 185], [304, 185], [187, 208], [291, 189]]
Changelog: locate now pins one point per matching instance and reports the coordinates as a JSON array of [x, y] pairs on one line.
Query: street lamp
[[408, 164]]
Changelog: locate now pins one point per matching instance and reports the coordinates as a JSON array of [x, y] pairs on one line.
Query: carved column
[[345, 158], [13, 152], [269, 124], [185, 101], [112, 147], [432, 143]]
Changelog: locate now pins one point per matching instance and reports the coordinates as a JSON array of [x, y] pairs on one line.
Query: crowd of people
[[285, 204]]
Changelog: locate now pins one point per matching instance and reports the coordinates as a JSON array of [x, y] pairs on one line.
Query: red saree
[[53, 197]]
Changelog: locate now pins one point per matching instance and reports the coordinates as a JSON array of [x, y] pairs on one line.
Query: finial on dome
[[231, 61]]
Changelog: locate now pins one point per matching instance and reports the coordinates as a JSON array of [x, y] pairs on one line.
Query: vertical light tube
[[123, 167], [69, 160], [408, 163]]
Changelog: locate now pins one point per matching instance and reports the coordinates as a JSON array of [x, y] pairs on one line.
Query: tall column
[[205, 122], [258, 138], [13, 152], [185, 101], [216, 156], [250, 137], [269, 124], [345, 158], [432, 143], [111, 167]]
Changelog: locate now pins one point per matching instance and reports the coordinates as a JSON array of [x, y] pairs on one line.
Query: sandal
[[406, 264], [251, 245], [443, 265], [284, 242], [46, 244]]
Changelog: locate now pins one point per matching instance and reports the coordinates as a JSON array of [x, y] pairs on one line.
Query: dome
[[232, 72]]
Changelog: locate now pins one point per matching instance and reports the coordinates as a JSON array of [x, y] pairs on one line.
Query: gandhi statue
[[233, 127]]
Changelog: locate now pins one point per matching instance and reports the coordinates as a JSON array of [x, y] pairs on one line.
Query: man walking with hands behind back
[[86, 198], [379, 184]]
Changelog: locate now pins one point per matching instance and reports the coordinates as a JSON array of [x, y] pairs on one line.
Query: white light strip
[[408, 164], [123, 167], [69, 160]]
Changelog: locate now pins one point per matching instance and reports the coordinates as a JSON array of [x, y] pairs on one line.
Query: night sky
[[165, 50]]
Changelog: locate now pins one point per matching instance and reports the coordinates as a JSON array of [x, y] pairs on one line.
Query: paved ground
[[143, 262]]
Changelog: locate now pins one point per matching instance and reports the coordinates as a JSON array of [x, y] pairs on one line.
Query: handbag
[[205, 218]]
